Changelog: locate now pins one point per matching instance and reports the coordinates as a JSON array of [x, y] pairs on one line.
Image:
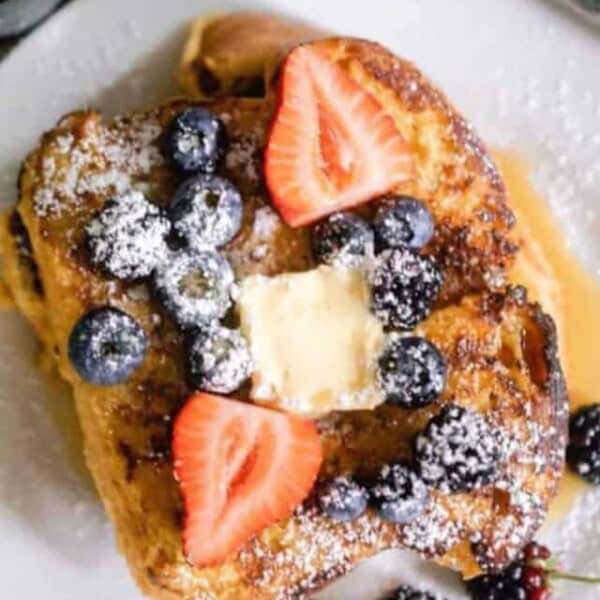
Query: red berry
[[541, 594], [240, 468], [332, 144], [535, 551], [533, 579]]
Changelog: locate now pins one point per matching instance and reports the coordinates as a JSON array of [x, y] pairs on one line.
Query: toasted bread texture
[[501, 350]]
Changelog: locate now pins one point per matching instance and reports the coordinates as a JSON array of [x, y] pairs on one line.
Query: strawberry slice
[[240, 469], [331, 144]]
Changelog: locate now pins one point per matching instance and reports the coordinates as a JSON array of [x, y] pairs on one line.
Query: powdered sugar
[[458, 451], [343, 240], [206, 211], [243, 155], [399, 494], [128, 237], [266, 222], [317, 550], [433, 533], [106, 161], [404, 286], [342, 498], [412, 372], [196, 288], [219, 359]]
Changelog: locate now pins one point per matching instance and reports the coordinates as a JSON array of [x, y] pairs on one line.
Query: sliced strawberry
[[240, 469], [331, 144]]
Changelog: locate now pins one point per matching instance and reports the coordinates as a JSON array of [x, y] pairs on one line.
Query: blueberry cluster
[[131, 238], [345, 239], [404, 286], [404, 283], [397, 493], [457, 452]]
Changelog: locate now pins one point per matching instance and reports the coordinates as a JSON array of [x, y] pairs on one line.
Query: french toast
[[500, 349], [237, 54]]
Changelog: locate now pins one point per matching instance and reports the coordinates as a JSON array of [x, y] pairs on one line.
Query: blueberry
[[459, 450], [583, 451], [206, 211], [194, 287], [398, 494], [343, 239], [106, 346], [343, 499], [195, 140], [218, 360], [127, 238], [411, 372], [404, 286], [403, 222]]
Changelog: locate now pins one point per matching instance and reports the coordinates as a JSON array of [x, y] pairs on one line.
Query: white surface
[[524, 71]]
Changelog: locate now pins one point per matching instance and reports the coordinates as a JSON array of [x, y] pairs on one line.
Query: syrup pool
[[576, 294]]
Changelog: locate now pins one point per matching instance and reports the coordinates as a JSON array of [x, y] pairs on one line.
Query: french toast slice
[[501, 350]]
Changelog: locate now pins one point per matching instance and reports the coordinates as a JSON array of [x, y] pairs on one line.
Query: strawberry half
[[331, 145], [240, 468]]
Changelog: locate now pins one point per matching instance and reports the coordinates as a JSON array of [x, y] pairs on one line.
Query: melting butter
[[313, 340]]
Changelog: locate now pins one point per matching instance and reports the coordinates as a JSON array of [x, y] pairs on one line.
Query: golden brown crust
[[500, 349]]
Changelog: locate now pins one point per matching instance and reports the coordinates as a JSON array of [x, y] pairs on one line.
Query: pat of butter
[[313, 340]]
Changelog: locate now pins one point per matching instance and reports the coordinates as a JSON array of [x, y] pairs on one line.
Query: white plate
[[524, 71]]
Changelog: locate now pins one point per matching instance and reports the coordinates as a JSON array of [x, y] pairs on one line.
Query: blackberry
[[218, 360], [583, 451], [406, 592], [194, 287], [206, 211], [507, 585], [403, 222], [411, 372], [343, 240], [529, 577], [342, 498], [398, 494], [127, 238], [195, 140], [404, 286], [106, 346], [458, 451]]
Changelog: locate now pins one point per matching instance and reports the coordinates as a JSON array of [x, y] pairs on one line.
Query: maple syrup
[[574, 295], [6, 300]]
